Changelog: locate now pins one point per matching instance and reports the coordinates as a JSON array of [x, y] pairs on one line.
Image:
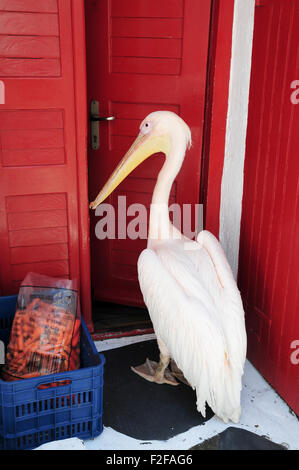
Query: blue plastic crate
[[30, 416]]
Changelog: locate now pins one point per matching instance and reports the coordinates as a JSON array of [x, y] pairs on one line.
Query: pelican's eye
[[146, 127]]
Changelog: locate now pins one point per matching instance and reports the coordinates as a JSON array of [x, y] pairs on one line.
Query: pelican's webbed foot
[[154, 372]]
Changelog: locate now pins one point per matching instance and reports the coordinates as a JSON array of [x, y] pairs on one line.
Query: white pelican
[[188, 286]]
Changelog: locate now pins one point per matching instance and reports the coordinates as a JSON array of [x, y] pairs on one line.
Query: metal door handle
[[94, 117]]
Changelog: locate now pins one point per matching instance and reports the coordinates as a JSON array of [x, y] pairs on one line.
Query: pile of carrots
[[45, 339]]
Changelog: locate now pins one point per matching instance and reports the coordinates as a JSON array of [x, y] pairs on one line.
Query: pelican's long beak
[[144, 146]]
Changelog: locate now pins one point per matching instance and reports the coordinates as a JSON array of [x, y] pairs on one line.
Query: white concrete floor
[[263, 412]]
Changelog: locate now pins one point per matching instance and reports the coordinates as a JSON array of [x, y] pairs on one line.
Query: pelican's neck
[[160, 226]]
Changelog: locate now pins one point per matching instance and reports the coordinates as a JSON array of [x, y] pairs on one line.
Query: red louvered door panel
[[39, 220], [142, 56], [269, 245]]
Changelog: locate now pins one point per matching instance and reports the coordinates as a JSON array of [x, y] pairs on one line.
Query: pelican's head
[[160, 131]]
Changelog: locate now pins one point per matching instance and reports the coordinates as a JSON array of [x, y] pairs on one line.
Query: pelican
[[187, 285]]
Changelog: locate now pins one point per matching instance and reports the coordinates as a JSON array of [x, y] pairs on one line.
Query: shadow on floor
[[238, 439], [114, 317]]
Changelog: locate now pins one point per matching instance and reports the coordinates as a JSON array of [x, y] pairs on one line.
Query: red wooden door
[[40, 214], [269, 245], [142, 56]]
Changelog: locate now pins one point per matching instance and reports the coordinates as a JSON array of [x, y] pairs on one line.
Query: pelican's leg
[[158, 373], [176, 372]]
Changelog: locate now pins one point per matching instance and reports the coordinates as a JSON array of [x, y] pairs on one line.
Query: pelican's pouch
[[45, 335]]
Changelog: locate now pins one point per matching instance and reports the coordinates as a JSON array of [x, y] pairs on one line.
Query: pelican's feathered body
[[188, 286]]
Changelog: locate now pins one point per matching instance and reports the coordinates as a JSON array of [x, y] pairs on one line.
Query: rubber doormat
[[141, 409], [238, 439]]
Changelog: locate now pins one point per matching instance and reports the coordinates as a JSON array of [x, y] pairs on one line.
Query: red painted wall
[[43, 166], [269, 244], [216, 110]]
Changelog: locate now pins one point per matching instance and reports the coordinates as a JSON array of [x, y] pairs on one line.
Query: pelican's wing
[[229, 302], [197, 312], [222, 268]]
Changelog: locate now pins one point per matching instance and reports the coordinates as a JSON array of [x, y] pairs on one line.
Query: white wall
[[232, 178]]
